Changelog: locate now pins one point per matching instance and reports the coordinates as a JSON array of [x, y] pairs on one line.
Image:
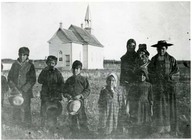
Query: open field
[[97, 80]]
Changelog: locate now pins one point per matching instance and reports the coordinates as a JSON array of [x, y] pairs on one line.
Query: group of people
[[144, 99], [150, 88]]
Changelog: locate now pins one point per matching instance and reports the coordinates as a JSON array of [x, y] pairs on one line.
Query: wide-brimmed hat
[[16, 100], [162, 43], [54, 108], [74, 106]]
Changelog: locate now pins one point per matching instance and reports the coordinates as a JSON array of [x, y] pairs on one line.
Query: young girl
[[110, 102], [52, 82], [140, 103]]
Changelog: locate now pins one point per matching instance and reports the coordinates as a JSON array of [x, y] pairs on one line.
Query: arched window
[[60, 55]]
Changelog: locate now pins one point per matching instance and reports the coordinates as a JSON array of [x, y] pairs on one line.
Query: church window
[[67, 58], [60, 56]]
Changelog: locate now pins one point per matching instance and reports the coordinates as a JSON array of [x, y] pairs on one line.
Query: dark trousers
[[17, 111], [51, 120], [79, 124]]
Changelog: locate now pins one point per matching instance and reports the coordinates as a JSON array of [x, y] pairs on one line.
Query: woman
[[127, 75], [128, 64], [162, 68]]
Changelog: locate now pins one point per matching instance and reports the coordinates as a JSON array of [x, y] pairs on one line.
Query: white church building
[[77, 43]]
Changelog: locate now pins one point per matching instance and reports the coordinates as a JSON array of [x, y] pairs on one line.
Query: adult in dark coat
[[127, 75], [21, 78], [163, 67]]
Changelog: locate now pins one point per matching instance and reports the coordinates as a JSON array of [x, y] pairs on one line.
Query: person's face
[[142, 55], [23, 57], [142, 77], [162, 50], [51, 64], [76, 71], [131, 47], [111, 82]]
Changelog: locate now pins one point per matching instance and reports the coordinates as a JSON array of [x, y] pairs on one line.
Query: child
[[22, 78], [140, 103], [52, 82], [4, 86], [110, 102], [77, 87]]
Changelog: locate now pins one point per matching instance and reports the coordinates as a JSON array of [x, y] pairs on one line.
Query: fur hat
[[51, 58], [74, 106], [143, 48], [24, 50]]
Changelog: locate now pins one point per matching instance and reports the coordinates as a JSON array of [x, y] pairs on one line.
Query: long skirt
[[165, 107]]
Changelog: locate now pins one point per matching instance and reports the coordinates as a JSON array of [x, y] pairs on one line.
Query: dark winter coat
[[22, 76], [164, 90], [52, 82], [76, 85], [127, 68]]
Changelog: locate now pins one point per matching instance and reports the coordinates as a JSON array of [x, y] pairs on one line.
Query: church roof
[[85, 36], [76, 35]]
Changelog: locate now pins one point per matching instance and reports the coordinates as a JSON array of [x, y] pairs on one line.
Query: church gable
[[85, 36]]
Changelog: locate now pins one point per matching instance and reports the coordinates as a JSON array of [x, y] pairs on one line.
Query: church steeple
[[88, 20]]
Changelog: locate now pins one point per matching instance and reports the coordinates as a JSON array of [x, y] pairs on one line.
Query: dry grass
[[97, 81]]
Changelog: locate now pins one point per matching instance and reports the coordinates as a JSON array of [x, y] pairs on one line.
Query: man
[[163, 68], [21, 78]]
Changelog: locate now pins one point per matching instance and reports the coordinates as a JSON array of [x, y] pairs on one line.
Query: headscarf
[[131, 41], [115, 77]]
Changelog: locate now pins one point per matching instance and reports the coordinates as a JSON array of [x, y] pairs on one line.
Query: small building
[[77, 43]]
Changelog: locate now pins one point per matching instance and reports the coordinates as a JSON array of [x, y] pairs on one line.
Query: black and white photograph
[[96, 70]]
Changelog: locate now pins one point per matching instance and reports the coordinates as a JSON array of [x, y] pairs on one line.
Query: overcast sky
[[113, 23]]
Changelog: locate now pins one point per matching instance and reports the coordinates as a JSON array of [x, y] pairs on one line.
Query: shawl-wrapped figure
[[111, 102], [163, 68]]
